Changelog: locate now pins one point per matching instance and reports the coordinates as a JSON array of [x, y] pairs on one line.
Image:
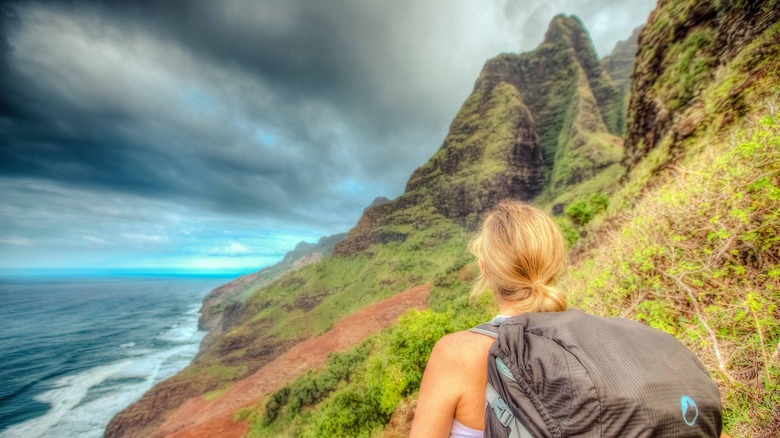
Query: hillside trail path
[[198, 418]]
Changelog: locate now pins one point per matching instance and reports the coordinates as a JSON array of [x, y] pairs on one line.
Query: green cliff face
[[539, 125], [620, 66], [687, 47], [688, 242]]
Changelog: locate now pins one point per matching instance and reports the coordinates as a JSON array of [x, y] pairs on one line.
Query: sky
[[212, 136]]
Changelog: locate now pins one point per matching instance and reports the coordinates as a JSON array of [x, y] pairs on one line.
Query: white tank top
[[460, 431]]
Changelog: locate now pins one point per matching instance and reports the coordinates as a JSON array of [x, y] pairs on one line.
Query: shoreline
[[84, 393]]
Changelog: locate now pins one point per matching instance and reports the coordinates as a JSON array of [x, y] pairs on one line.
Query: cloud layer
[[272, 118]]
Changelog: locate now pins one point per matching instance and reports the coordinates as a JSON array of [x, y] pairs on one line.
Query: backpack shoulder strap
[[487, 329], [504, 414], [493, 400]]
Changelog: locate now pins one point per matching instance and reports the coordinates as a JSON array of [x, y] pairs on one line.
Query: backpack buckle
[[499, 406]]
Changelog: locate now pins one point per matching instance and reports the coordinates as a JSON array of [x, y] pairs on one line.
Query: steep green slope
[[226, 298], [685, 47], [535, 123], [689, 243], [538, 122], [699, 257]]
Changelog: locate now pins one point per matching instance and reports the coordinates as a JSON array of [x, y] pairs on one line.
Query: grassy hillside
[[699, 257], [693, 258], [685, 240], [689, 244], [304, 304]]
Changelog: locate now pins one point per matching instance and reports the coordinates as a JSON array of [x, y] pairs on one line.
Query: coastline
[[107, 341]]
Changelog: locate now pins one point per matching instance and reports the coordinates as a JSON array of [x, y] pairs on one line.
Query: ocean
[[75, 352]]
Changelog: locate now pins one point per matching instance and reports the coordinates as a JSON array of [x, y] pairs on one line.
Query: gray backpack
[[561, 374]]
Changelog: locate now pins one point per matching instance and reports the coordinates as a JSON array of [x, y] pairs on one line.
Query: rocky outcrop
[[687, 45], [535, 122], [303, 254], [366, 232], [222, 310], [620, 63]]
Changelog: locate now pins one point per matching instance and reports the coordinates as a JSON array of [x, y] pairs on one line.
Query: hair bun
[[521, 252]]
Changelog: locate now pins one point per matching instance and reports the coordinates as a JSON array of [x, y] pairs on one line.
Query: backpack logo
[[689, 410]]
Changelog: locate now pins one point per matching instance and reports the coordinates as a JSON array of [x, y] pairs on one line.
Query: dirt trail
[[200, 418]]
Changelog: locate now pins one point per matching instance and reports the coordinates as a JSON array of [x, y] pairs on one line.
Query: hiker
[[521, 252]]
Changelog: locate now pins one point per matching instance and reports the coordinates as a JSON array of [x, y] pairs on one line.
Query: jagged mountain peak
[[569, 32], [536, 123], [565, 29], [620, 62]]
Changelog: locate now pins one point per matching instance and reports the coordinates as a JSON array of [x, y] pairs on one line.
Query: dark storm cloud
[[70, 121], [283, 110], [305, 72]]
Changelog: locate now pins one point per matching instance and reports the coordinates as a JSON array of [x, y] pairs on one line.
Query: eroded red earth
[[200, 418]]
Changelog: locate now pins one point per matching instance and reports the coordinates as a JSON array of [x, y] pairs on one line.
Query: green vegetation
[[308, 302], [690, 63], [356, 392], [686, 242], [584, 210], [699, 257]]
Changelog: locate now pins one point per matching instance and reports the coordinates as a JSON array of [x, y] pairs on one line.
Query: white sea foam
[[185, 331], [69, 391], [81, 404], [84, 403], [179, 334]]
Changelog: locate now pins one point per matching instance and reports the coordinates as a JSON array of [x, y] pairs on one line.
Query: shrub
[[583, 211]]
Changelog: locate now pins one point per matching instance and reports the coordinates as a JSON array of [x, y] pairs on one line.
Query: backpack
[[560, 374]]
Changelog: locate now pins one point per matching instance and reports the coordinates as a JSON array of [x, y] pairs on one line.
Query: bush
[[583, 211], [699, 257]]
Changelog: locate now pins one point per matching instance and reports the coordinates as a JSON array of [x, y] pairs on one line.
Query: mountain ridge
[[493, 150], [504, 142], [660, 247]]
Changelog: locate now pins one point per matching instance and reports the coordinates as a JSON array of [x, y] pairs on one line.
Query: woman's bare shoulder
[[462, 345]]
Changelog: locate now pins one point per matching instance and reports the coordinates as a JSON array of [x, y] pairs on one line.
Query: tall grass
[[699, 257]]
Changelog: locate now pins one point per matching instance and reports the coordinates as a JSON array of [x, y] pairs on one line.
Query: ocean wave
[[93, 356], [81, 405], [68, 392]]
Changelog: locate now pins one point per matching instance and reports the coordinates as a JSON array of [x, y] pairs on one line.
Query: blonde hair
[[521, 253]]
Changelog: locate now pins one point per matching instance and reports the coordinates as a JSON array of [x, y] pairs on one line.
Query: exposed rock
[[620, 63], [535, 121], [687, 44], [366, 232], [305, 253]]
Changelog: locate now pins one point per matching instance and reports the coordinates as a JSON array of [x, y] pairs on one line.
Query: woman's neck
[[506, 309]]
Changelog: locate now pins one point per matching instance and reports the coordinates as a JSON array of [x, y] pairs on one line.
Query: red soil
[[200, 418]]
